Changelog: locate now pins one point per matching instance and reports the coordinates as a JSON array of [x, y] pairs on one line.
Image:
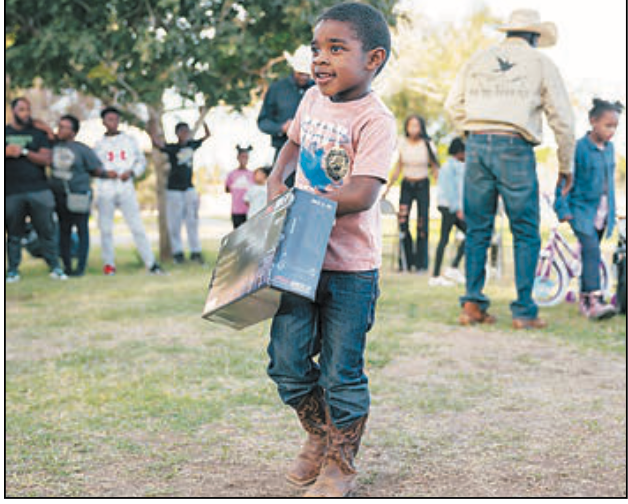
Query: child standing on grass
[[590, 205], [450, 183], [237, 184], [257, 194], [342, 139]]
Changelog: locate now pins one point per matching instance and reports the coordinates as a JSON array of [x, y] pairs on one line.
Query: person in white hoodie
[[123, 161]]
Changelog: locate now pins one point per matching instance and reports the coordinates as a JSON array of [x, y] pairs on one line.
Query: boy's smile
[[341, 68]]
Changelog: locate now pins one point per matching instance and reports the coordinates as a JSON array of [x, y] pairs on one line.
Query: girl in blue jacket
[[589, 207]]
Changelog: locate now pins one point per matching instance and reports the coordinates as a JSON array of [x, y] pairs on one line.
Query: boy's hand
[[275, 190]]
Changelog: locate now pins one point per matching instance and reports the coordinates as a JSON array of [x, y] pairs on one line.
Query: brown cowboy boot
[[313, 417], [472, 314], [338, 475]]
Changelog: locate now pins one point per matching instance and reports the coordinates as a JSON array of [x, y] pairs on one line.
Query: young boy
[[450, 182], [342, 139], [182, 200]]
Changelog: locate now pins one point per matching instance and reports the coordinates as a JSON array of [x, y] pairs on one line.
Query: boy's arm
[[286, 165], [358, 195]]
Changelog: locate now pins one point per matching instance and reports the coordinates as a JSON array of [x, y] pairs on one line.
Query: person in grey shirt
[[73, 165]]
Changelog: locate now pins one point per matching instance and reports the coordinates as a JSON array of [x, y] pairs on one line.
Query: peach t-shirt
[[366, 131]]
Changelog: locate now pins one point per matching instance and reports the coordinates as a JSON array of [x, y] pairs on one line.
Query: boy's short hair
[[109, 110], [369, 24], [456, 146], [76, 125], [180, 126]]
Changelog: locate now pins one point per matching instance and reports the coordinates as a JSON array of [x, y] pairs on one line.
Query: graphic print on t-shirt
[[323, 158], [62, 161], [185, 156]]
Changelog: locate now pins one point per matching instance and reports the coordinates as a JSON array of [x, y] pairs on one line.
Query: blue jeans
[[591, 256], [333, 327], [498, 165]]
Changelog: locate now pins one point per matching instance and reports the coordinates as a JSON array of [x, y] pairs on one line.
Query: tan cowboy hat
[[301, 60], [529, 20]]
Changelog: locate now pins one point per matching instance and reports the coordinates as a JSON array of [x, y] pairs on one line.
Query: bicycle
[[559, 263]]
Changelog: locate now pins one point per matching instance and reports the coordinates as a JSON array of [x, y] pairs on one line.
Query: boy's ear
[[376, 58]]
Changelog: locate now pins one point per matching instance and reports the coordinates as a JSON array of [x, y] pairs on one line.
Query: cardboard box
[[280, 249]]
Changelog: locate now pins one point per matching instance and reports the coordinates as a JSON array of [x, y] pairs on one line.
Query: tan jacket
[[508, 87]]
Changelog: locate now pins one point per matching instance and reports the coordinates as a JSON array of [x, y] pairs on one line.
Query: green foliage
[[428, 59], [130, 52]]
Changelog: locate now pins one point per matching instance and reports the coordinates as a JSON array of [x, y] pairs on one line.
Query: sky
[[591, 33]]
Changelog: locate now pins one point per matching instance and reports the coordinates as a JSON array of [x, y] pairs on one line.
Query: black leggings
[[449, 220], [418, 191]]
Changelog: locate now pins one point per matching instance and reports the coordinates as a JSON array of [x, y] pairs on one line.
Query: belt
[[497, 133]]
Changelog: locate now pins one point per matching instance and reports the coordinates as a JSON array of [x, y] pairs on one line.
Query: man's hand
[[110, 174], [567, 218], [126, 175], [568, 180], [12, 151], [460, 215]]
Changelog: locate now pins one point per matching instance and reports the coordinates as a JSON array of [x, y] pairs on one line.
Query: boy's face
[[340, 66], [183, 134], [605, 126], [65, 131], [111, 121]]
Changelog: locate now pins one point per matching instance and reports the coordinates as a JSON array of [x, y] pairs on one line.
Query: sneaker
[[598, 309], [440, 282], [455, 274], [155, 269], [12, 277], [197, 257], [178, 258], [109, 270], [58, 274]]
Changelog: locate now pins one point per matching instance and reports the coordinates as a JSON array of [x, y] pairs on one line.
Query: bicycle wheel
[[550, 283]]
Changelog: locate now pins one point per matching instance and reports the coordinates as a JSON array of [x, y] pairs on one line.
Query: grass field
[[117, 387]]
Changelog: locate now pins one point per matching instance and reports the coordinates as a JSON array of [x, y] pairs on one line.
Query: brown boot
[[472, 314], [313, 417], [536, 323], [338, 475]]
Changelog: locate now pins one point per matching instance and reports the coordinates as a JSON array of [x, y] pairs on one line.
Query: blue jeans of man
[[334, 328], [501, 165]]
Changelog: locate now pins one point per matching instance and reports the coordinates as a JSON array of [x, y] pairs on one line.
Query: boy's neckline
[[361, 97]]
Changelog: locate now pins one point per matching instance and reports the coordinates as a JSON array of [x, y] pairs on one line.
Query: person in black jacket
[[283, 97]]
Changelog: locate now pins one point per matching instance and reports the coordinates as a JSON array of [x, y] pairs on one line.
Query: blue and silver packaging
[[280, 249]]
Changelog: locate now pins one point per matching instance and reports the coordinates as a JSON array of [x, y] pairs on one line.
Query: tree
[[427, 60], [128, 53]]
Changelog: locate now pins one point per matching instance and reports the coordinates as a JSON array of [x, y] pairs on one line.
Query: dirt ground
[[476, 414]]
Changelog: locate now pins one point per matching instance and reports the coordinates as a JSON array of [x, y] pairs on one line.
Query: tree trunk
[[159, 162]]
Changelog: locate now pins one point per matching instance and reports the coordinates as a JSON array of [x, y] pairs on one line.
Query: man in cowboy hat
[[498, 100], [283, 97]]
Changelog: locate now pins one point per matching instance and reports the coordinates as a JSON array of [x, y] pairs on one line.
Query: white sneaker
[[12, 277], [440, 282], [455, 274], [58, 274]]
